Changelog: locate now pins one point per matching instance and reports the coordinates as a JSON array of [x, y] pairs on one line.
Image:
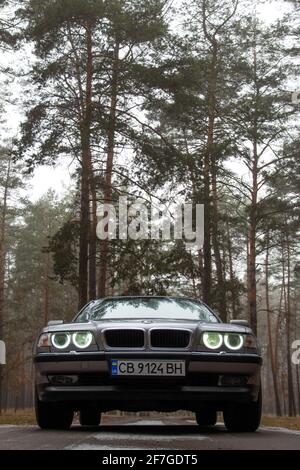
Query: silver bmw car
[[147, 354]]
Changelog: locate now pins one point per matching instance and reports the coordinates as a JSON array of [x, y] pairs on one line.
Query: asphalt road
[[132, 433]]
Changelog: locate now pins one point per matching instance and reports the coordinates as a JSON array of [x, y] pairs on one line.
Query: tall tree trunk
[[252, 295], [298, 390], [270, 339], [104, 244], [210, 168], [231, 271], [206, 283], [85, 173], [214, 215], [251, 271], [297, 405], [200, 270], [2, 265], [93, 237], [193, 275], [46, 291], [221, 287], [291, 396], [277, 330], [210, 176], [211, 98]]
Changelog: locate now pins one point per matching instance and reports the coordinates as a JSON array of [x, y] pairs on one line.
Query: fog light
[[232, 380], [63, 379]]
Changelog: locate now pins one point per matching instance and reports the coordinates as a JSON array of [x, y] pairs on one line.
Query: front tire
[[243, 417], [52, 415]]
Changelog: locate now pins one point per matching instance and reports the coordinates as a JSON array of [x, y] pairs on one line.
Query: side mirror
[[55, 322], [240, 322]]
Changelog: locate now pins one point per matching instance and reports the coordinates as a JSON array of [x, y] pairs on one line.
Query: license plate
[[150, 368]]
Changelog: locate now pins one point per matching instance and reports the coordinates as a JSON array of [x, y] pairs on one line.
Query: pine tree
[[79, 78], [262, 119]]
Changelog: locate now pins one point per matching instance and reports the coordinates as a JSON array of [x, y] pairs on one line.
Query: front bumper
[[201, 384]]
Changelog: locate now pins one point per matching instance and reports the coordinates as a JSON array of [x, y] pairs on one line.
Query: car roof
[[175, 297]]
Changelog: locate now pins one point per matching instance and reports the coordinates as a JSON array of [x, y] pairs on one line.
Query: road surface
[[132, 433]]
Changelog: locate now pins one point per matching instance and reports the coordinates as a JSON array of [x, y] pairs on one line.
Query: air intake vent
[[124, 338], [170, 338]]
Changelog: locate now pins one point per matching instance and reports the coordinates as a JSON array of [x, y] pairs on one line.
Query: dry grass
[[19, 417], [27, 417], [282, 422]]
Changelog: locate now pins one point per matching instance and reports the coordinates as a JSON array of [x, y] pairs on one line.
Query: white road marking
[[125, 439], [98, 447], [143, 437], [7, 426], [146, 422]]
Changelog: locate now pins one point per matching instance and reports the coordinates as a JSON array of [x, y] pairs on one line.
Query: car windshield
[[142, 308]]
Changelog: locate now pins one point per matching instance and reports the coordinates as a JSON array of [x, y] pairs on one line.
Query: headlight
[[233, 341], [212, 340], [82, 339], [61, 340]]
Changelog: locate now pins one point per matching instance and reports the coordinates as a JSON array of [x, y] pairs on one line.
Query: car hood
[[149, 324]]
